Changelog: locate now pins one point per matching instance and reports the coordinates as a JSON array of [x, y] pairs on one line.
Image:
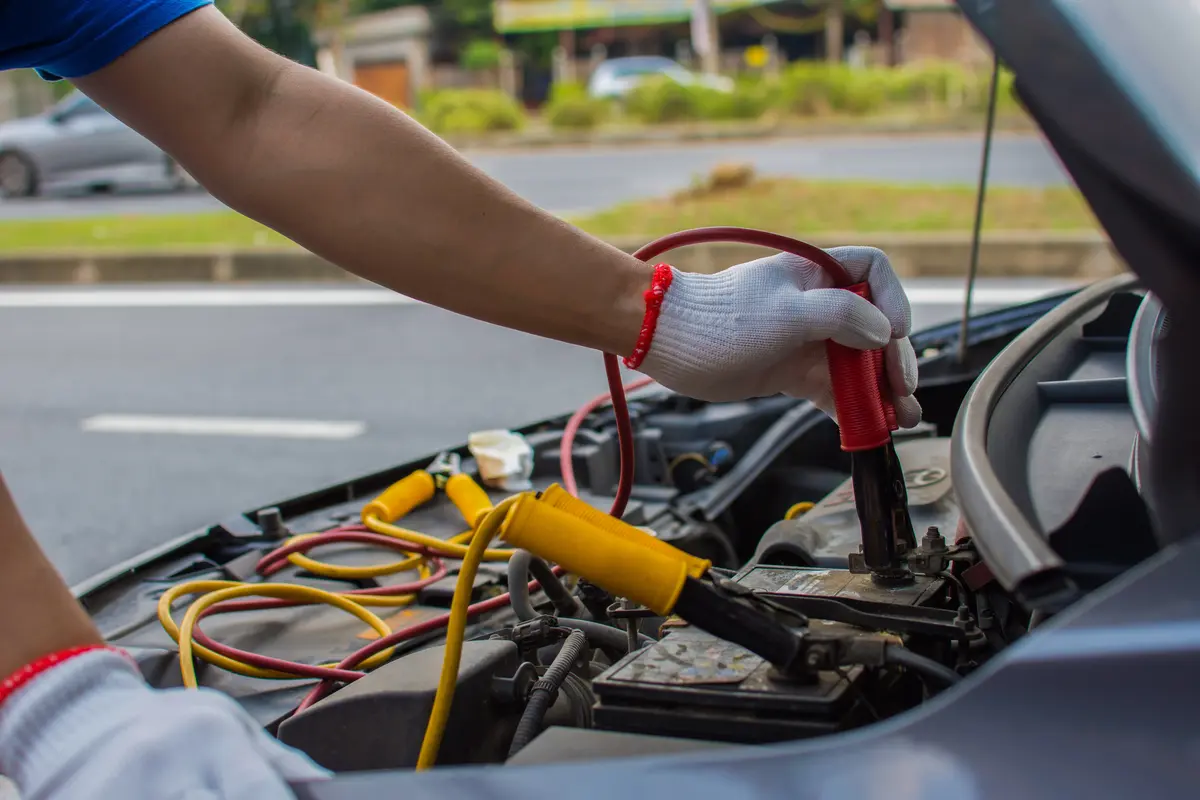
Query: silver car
[[78, 144]]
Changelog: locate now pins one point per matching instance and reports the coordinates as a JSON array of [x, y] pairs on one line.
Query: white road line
[[224, 426], [199, 298], [225, 298]]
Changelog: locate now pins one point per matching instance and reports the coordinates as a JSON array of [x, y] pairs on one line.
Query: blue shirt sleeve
[[73, 38]]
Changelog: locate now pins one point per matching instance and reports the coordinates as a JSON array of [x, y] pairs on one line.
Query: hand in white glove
[[91, 727], [759, 329]]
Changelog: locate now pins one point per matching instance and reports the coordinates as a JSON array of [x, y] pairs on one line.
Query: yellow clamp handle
[[560, 498], [618, 564], [468, 497], [401, 497]]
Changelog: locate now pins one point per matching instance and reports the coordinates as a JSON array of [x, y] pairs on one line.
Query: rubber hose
[[545, 690], [521, 566], [926, 667]]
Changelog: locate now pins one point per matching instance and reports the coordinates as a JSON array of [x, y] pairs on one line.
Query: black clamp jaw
[[881, 499], [776, 633]]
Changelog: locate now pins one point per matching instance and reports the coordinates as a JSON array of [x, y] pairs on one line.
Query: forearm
[[366, 187], [38, 613]]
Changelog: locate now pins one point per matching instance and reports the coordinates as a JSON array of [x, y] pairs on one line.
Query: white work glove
[[759, 329], [91, 727]]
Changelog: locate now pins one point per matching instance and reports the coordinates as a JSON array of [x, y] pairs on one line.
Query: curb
[[709, 133], [1082, 255]]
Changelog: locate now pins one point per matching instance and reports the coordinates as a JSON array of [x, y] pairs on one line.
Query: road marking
[[200, 298], [250, 298], [224, 426]]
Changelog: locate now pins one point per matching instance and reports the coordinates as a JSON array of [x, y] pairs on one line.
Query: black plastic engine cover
[[826, 534], [378, 721]]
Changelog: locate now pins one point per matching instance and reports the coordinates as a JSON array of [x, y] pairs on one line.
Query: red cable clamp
[[865, 412]]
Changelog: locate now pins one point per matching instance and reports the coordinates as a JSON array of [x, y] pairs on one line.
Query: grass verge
[[789, 206], [814, 207], [136, 232]]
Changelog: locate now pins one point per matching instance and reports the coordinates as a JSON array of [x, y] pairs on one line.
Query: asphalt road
[[379, 380], [580, 179]]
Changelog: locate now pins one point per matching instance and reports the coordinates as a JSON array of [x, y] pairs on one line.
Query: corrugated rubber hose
[[545, 691]]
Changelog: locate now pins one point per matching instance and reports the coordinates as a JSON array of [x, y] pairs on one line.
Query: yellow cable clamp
[[401, 497], [468, 497], [558, 497], [619, 564]]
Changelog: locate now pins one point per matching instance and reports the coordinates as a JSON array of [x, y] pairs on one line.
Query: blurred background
[[167, 362]]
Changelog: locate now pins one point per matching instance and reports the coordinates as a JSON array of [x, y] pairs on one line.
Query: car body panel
[[78, 143]]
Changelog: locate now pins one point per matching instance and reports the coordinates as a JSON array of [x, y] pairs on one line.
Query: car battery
[[694, 685], [914, 606]]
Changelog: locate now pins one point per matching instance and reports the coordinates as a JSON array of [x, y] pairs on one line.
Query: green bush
[[471, 111], [576, 113], [749, 100], [567, 90], [811, 88], [931, 83], [661, 99], [479, 55]]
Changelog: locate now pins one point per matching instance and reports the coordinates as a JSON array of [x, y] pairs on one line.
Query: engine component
[[558, 745], [856, 599], [829, 532], [545, 691], [378, 721], [694, 685]]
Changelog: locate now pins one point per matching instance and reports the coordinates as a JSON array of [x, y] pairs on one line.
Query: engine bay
[[798, 640]]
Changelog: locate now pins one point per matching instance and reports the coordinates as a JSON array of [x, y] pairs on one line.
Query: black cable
[[926, 667], [989, 133], [521, 565], [707, 609], [545, 690]]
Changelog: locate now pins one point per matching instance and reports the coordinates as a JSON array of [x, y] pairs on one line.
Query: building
[[385, 53], [932, 30]]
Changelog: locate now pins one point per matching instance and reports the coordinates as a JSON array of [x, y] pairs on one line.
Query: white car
[[617, 77]]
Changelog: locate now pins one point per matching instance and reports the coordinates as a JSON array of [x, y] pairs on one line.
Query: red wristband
[[654, 300], [30, 671]]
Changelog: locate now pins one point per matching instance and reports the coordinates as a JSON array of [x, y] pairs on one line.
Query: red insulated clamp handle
[[866, 415]]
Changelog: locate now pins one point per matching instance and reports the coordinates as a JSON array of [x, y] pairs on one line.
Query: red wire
[[404, 634], [566, 464], [276, 560], [296, 667]]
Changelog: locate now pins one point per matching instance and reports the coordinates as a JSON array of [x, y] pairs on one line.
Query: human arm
[[366, 187], [363, 185], [89, 725]]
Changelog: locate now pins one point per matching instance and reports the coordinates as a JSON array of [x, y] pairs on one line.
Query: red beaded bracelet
[[663, 275], [31, 670]]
